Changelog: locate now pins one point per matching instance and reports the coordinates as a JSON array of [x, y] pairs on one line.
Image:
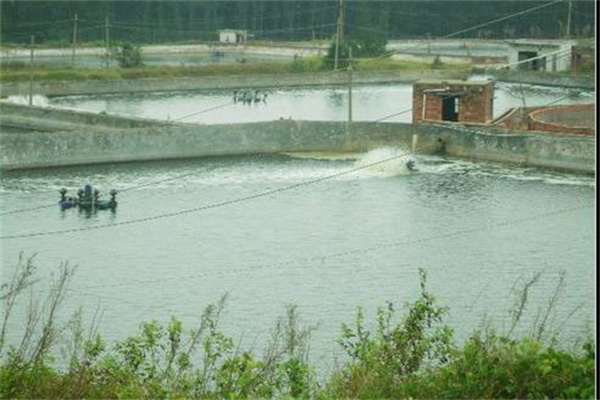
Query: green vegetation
[[268, 20], [415, 357], [19, 72], [363, 43], [129, 55]]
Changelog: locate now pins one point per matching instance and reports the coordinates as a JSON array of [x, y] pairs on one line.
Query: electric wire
[[393, 115], [228, 104], [478, 26], [357, 251], [22, 210], [205, 207]]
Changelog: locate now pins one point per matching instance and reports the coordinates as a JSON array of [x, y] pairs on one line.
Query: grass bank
[[409, 356], [21, 73], [65, 44]]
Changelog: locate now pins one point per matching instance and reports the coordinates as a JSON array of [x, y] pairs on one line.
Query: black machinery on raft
[[87, 198]]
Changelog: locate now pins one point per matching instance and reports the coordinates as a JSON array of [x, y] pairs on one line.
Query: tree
[[364, 44], [129, 55]]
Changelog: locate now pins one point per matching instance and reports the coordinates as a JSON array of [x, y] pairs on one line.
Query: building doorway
[[533, 65], [450, 108]]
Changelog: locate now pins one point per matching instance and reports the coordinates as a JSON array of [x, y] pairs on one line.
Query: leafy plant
[[129, 55]]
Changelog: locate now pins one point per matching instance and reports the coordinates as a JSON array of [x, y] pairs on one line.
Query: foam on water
[[322, 155], [435, 165], [384, 162], [37, 100]]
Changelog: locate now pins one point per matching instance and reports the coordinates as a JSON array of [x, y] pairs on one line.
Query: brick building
[[453, 100]]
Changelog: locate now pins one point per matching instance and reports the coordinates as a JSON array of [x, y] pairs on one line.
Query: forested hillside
[[169, 21]]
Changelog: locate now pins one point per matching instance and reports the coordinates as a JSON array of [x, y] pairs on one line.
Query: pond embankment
[[282, 80], [87, 138], [90, 87]]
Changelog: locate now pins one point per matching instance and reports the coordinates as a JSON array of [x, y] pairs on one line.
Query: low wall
[[578, 118], [541, 78], [569, 119], [544, 150], [21, 150], [67, 88], [52, 119]]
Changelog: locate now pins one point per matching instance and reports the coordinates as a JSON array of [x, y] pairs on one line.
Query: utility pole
[[337, 45], [74, 41], [348, 131], [342, 20], [107, 43], [569, 19], [339, 36], [31, 72]]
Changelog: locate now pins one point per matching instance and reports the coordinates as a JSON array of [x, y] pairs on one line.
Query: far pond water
[[369, 103], [479, 230], [151, 59]]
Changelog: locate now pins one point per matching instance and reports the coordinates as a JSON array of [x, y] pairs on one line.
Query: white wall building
[[540, 55], [232, 36]]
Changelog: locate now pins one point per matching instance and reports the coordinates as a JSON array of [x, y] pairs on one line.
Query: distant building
[[233, 36], [453, 100], [582, 56], [540, 55]]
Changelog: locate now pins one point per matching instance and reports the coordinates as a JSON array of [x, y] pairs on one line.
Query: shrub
[[413, 358], [499, 368], [128, 55], [437, 63], [382, 359]]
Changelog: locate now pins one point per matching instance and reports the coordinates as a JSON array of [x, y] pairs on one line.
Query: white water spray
[[386, 162]]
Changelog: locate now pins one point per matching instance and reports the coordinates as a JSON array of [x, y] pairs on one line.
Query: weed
[[415, 357]]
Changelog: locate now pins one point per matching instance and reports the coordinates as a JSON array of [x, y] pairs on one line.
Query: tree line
[[179, 21]]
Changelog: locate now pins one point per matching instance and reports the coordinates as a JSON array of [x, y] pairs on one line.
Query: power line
[[229, 103], [501, 19], [263, 32], [203, 20], [365, 250], [478, 26], [120, 191], [393, 115], [206, 207]]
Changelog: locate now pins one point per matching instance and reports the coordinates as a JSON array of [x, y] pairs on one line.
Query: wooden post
[[339, 36], [107, 44], [342, 20], [31, 72], [415, 139], [337, 46], [569, 20], [349, 90], [74, 41]]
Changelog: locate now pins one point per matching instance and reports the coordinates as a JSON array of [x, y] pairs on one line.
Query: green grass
[[19, 72]]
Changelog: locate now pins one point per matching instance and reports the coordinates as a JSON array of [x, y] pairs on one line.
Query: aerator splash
[[87, 198]]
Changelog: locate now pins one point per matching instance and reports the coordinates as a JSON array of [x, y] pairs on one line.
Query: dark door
[[532, 65], [450, 108]]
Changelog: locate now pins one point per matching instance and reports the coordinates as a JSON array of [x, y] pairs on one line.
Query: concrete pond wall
[[68, 88], [557, 79], [91, 87], [123, 142]]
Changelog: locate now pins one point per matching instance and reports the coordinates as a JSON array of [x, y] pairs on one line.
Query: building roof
[[540, 42], [453, 82], [232, 30]]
